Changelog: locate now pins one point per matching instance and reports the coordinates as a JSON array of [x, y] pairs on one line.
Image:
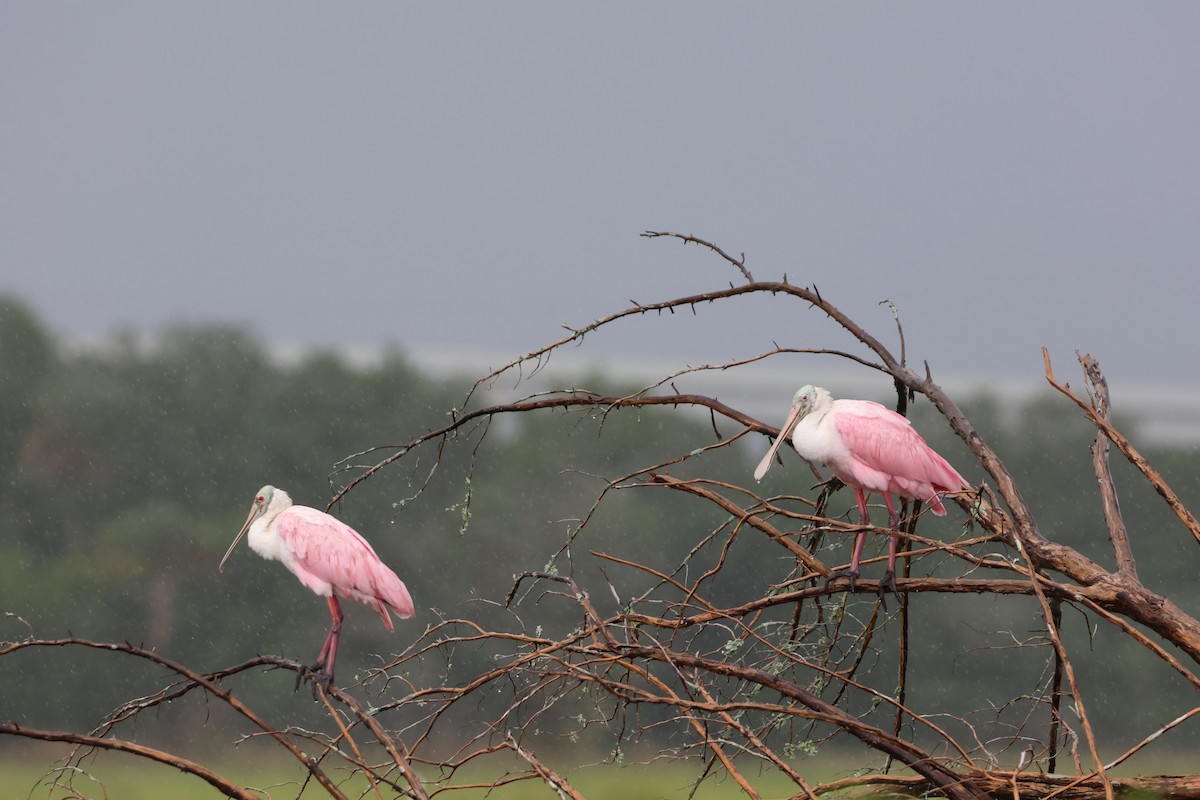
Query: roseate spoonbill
[[870, 449], [327, 556]]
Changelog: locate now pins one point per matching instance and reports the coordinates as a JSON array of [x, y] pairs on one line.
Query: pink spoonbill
[[870, 448], [327, 556]]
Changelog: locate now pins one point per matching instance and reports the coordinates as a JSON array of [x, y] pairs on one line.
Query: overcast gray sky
[[473, 175]]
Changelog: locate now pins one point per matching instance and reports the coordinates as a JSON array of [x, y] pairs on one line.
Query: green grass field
[[121, 777], [139, 782]]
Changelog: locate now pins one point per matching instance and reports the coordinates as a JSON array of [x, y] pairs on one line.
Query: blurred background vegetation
[[126, 469]]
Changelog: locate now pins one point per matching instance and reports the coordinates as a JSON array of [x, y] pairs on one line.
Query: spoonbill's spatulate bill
[[327, 556], [870, 448]]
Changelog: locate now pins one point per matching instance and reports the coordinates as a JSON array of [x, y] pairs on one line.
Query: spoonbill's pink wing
[[328, 555], [887, 450]]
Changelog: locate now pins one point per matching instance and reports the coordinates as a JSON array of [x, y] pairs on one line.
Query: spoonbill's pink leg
[[851, 574], [889, 578], [329, 649], [322, 671]]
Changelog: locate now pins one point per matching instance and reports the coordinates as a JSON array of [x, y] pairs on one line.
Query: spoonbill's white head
[[803, 404], [267, 497]]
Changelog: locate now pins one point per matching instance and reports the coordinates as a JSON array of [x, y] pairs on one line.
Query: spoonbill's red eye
[[259, 499]]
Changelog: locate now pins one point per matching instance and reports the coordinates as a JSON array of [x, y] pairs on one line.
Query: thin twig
[[740, 263]]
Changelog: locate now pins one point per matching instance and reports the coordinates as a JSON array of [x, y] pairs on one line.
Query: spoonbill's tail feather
[[390, 592]]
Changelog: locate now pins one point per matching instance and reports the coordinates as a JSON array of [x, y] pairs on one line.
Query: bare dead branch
[[221, 784], [922, 763], [557, 782], [739, 679], [1127, 449], [208, 683], [1117, 533]]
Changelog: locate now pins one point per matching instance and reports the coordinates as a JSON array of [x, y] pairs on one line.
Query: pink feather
[[330, 556], [883, 453]]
